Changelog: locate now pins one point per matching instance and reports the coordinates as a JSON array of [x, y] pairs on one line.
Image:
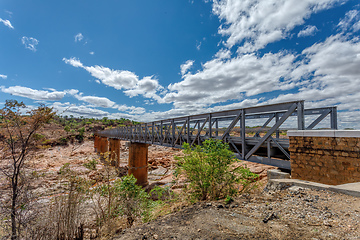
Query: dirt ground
[[287, 214]]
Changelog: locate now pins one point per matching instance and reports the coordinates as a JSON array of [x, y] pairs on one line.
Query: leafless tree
[[17, 127]]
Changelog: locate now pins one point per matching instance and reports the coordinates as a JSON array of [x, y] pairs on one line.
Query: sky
[[150, 60]]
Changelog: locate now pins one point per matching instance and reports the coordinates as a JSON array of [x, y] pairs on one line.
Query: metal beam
[[272, 130]]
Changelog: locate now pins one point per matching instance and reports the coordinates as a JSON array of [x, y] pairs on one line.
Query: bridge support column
[[104, 147], [114, 149], [96, 143], [138, 161]]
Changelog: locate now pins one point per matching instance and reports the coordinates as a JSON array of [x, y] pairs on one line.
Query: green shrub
[[133, 200], [91, 164], [209, 169], [38, 136], [64, 141], [67, 128], [121, 198]]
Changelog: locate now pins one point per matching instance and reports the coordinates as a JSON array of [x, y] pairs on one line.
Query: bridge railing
[[267, 145]]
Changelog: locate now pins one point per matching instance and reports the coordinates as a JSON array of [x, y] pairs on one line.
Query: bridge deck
[[263, 146]]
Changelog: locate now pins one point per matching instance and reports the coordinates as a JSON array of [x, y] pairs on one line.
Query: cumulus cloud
[[3, 76], [308, 31], [147, 87], [96, 101], [78, 37], [78, 111], [6, 23], [328, 74], [30, 43], [103, 102], [254, 24], [227, 79], [33, 94], [186, 66], [121, 79]]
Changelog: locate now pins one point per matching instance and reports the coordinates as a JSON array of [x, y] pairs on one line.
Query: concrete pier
[[138, 156], [114, 149], [96, 143], [138, 162], [104, 147]]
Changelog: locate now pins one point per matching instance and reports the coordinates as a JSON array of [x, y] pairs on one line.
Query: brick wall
[[326, 156]]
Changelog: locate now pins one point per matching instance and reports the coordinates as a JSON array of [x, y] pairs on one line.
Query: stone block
[[277, 174]]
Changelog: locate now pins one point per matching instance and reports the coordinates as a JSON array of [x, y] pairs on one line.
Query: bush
[[210, 172], [134, 201], [67, 128], [121, 198], [91, 164]]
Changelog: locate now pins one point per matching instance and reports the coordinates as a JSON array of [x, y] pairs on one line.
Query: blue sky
[[148, 60]]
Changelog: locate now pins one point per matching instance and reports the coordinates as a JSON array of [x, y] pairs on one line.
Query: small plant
[[134, 201], [64, 141], [228, 200], [38, 136], [209, 169], [91, 164], [67, 128], [64, 169]]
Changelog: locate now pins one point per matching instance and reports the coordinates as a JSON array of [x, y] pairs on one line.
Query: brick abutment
[[325, 156]]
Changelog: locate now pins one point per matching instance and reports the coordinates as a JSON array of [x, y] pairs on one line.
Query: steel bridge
[[266, 144]]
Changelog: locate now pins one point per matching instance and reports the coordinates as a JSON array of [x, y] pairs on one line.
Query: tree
[[16, 136]]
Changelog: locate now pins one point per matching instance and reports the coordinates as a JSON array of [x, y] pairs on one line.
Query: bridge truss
[[265, 144]]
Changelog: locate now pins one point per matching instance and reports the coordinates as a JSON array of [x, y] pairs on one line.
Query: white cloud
[[223, 54], [104, 102], [3, 76], [91, 53], [30, 43], [73, 62], [198, 45], [78, 37], [256, 23], [328, 75], [6, 23], [308, 31], [121, 79], [96, 101], [186, 66], [350, 21], [78, 111], [229, 79], [131, 109], [33, 94]]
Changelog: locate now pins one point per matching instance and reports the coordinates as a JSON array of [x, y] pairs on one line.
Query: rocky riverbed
[[294, 213]]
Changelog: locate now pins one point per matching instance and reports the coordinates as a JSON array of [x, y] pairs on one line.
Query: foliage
[[91, 164], [67, 128], [38, 136], [133, 200], [16, 137], [209, 169], [121, 198]]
